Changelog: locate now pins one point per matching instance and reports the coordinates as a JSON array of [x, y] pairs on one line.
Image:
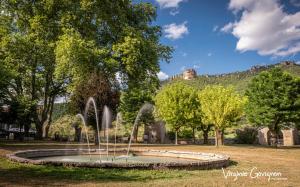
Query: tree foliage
[[221, 107], [131, 101], [30, 30], [177, 105], [63, 127], [101, 89], [48, 47], [274, 100]]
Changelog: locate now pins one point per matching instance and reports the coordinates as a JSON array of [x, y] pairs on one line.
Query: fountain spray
[[92, 100]]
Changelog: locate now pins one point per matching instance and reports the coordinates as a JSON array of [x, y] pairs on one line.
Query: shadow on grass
[[16, 173], [232, 163]]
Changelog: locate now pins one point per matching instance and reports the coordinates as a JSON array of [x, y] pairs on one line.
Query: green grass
[[243, 157], [9, 169]]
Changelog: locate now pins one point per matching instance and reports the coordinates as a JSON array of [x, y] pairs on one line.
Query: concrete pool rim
[[201, 160]]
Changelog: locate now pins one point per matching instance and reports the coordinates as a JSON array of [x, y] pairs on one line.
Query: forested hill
[[239, 80]]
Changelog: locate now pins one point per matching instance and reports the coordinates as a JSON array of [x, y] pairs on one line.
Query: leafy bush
[[247, 135], [186, 133], [64, 127]]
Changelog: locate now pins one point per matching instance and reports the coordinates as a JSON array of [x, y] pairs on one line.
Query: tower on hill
[[189, 74]]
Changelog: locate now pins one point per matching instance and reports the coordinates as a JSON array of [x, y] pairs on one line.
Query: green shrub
[[186, 133], [64, 127], [247, 135]]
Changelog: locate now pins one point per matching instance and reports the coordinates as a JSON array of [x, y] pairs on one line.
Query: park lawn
[[244, 158]]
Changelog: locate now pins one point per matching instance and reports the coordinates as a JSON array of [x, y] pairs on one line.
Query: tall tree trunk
[[194, 138], [46, 133], [26, 129], [38, 109], [274, 139], [42, 118], [176, 132], [218, 137], [136, 134], [77, 134], [96, 137], [205, 137], [49, 118], [33, 81], [205, 133], [39, 130], [222, 136]]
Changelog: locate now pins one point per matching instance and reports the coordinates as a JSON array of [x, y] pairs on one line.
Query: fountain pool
[[117, 159], [139, 158]]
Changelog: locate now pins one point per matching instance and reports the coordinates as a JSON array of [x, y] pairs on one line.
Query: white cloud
[[209, 54], [215, 28], [162, 76], [174, 12], [182, 68], [228, 27], [291, 50], [240, 4], [174, 31], [169, 3], [265, 27], [298, 62]]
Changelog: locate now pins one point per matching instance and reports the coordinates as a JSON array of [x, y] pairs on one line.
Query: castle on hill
[[190, 74], [187, 74]]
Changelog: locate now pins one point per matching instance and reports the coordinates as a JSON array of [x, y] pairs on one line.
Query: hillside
[[239, 80]]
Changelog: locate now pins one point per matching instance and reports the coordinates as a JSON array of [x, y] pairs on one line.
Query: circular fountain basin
[[139, 159]]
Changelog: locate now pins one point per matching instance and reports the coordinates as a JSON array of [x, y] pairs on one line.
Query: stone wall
[[289, 136], [263, 136]]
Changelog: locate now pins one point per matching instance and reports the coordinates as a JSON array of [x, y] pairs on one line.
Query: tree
[[116, 37], [194, 116], [53, 45], [173, 104], [102, 90], [221, 107], [129, 51], [274, 100], [27, 46], [131, 102]]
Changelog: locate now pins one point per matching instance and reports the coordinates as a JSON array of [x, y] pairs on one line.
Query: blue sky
[[222, 36]]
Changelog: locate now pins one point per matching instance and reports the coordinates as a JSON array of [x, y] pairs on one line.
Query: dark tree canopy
[[101, 89], [274, 100]]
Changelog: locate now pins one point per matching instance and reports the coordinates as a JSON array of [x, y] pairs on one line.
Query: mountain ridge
[[238, 79]]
